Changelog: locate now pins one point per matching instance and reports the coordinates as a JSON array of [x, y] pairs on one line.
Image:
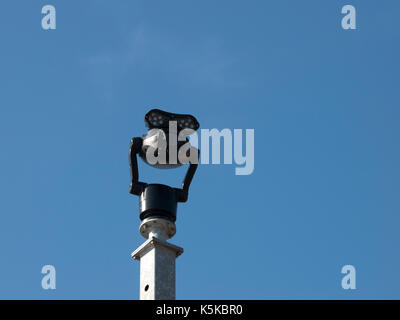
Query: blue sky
[[324, 103]]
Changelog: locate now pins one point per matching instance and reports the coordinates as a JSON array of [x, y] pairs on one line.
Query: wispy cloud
[[192, 61]]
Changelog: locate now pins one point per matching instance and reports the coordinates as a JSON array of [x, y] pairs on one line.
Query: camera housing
[[162, 137], [158, 201]]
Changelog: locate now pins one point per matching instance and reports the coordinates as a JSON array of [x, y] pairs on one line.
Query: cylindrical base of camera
[[158, 201]]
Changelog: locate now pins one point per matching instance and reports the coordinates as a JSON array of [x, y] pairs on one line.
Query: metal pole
[[157, 260]]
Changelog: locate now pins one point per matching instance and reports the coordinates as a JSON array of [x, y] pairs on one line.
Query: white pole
[[157, 260]]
